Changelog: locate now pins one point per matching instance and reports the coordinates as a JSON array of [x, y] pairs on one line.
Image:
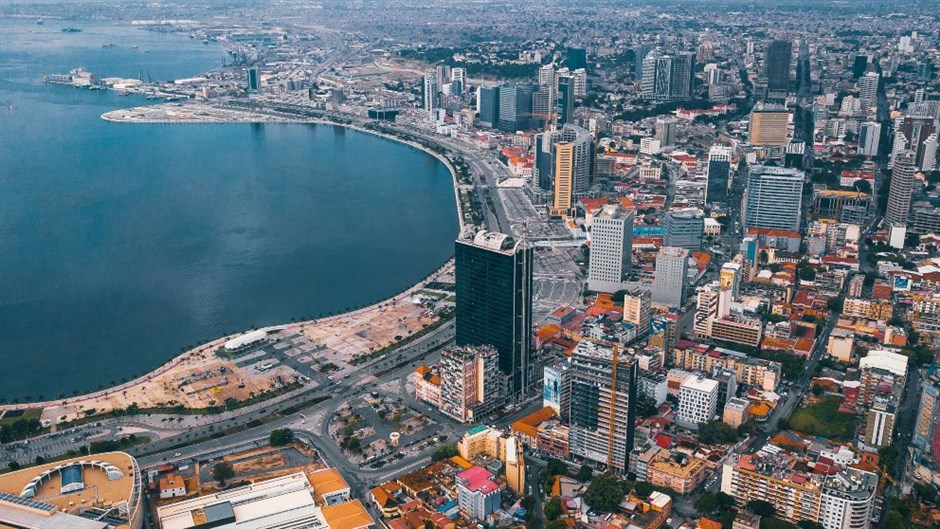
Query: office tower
[[639, 53], [859, 66], [869, 135], [573, 165], [769, 125], [515, 107], [443, 74], [547, 75], [718, 174], [773, 198], [566, 97], [911, 133], [556, 388], [458, 78], [841, 498], [429, 91], [543, 106], [611, 248], [671, 277], [868, 91], [715, 75], [470, 382], [544, 164], [777, 65], [254, 81], [929, 162], [488, 103], [666, 130], [576, 58], [493, 276], [603, 405], [668, 77], [636, 310], [579, 78], [685, 228], [730, 278], [902, 187], [879, 422], [698, 401]]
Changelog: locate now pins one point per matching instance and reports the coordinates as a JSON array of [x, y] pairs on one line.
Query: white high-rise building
[[671, 277], [930, 153], [868, 91], [773, 198], [429, 94], [580, 82], [869, 134], [901, 189], [698, 401], [611, 248], [547, 75], [712, 303], [459, 75]]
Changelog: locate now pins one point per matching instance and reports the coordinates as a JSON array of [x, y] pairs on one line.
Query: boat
[[71, 29], [109, 45], [39, 22]]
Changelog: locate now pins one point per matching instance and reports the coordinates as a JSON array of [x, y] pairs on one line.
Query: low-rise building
[[477, 494], [172, 486], [736, 412]]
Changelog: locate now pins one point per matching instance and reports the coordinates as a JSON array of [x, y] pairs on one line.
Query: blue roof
[[72, 474], [447, 506], [476, 429]]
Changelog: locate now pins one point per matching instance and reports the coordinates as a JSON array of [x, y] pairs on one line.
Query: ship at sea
[[71, 29]]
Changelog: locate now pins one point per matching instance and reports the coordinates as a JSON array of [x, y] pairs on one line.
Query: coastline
[[209, 347]]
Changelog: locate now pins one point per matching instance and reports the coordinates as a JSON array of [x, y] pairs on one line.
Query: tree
[[926, 492], [807, 524], [557, 524], [13, 465], [817, 391], [552, 509], [706, 504], [762, 508], [281, 437], [643, 489], [223, 472], [604, 493], [807, 273], [444, 452], [716, 432], [584, 474]]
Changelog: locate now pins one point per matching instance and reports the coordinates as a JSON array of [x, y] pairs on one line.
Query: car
[[177, 454]]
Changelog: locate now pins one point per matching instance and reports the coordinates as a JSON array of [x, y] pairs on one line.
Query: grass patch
[[13, 416], [824, 420]]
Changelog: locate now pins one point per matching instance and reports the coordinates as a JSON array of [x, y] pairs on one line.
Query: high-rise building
[[547, 75], [777, 65], [493, 276], [429, 91], [458, 78], [671, 277], [666, 130], [573, 159], [718, 173], [603, 405], [566, 97], [576, 58], [868, 91], [901, 189], [842, 498], [859, 66], [698, 401], [611, 248], [556, 388], [685, 228], [636, 310], [543, 106], [639, 53], [869, 135], [515, 107], [912, 133], [254, 81], [488, 105], [773, 198], [668, 77], [579, 78], [926, 438], [769, 125], [470, 382]]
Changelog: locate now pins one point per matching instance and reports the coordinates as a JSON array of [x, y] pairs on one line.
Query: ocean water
[[123, 244]]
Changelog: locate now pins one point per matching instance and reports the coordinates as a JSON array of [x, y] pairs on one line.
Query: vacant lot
[[824, 420]]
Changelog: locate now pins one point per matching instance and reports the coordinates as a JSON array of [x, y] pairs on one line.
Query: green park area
[[823, 419]]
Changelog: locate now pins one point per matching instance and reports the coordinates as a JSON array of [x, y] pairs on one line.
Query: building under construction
[[603, 405]]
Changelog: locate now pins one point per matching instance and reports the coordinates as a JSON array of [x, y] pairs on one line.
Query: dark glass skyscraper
[[489, 104], [576, 58], [777, 66], [515, 107], [565, 100], [494, 301]]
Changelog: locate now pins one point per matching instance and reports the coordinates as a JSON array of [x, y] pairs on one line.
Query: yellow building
[[483, 441], [564, 178], [769, 126], [681, 476]]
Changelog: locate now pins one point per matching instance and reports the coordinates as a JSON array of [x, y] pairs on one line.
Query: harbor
[[83, 79]]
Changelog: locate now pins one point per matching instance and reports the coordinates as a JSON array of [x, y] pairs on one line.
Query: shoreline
[[211, 345]]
